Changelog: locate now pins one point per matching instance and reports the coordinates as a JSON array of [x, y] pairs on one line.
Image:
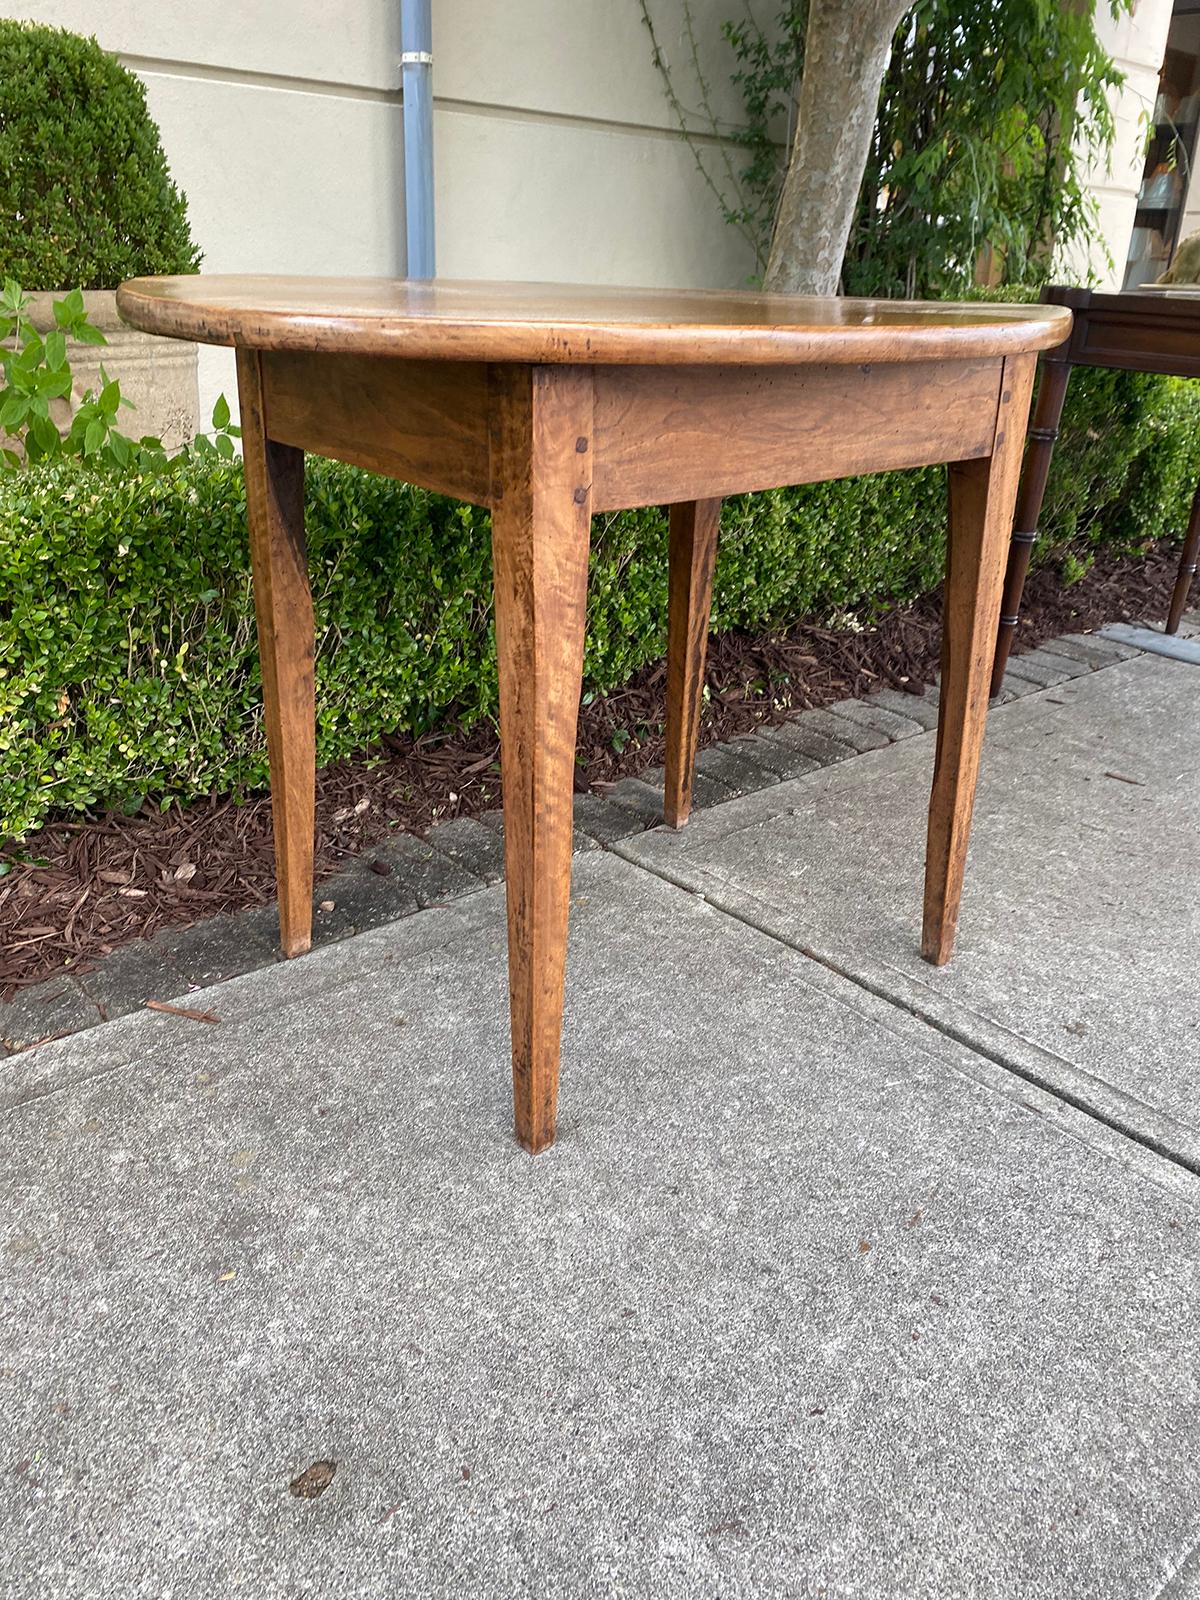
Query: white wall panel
[[552, 201], [333, 41], [586, 58], [556, 152], [282, 181]]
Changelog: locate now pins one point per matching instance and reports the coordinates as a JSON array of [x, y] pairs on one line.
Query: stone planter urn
[[157, 375]]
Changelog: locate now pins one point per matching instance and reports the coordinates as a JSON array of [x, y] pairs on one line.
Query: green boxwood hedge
[[128, 666], [86, 199]]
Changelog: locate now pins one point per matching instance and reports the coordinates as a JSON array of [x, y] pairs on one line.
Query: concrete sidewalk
[[1077, 953], [845, 1278]]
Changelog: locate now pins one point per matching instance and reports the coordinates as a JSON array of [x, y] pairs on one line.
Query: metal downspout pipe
[[416, 75]]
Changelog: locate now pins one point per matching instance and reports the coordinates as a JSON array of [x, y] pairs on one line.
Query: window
[[1163, 196]]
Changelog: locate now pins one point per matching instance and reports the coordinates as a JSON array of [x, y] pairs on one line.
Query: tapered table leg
[[283, 607], [1052, 391], [541, 451], [1187, 567], [982, 495], [692, 553]]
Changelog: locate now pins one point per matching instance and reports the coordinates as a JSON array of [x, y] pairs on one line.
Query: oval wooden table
[[548, 403]]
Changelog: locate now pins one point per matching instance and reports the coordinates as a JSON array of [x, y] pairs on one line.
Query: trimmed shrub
[[86, 200], [128, 664]]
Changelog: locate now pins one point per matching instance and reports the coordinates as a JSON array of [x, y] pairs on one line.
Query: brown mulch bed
[[107, 880]]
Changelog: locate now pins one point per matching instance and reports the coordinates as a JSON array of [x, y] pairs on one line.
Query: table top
[[1171, 291], [575, 323], [1137, 330], [1148, 299]]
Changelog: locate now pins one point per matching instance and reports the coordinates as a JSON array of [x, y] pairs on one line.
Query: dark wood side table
[[549, 403], [1142, 331]]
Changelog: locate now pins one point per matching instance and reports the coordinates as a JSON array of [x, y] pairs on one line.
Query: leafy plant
[[989, 117], [36, 371], [85, 194], [1076, 568]]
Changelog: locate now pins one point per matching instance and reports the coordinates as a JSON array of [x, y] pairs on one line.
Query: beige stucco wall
[[556, 155]]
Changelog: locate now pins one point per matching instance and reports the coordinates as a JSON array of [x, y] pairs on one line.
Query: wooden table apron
[[548, 403], [1134, 333]]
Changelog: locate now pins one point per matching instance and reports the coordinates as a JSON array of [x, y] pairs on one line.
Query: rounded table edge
[[584, 344]]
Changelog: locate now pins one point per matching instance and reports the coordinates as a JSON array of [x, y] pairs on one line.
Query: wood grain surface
[[574, 323], [982, 497], [692, 553], [283, 608], [541, 441], [668, 434], [424, 422]]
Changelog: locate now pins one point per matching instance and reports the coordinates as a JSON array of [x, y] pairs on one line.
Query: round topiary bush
[[86, 199]]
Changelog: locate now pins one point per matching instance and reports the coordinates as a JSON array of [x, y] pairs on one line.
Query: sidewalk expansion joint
[[961, 1036], [990, 1053]]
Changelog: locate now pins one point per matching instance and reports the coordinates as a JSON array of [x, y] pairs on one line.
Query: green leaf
[[110, 398], [223, 445], [30, 357], [56, 349], [87, 333], [94, 437], [52, 385], [71, 306], [43, 436], [14, 410], [221, 413]]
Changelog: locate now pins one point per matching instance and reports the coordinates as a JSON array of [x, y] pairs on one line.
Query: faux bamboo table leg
[[283, 608], [1052, 391], [692, 554], [1187, 566], [982, 493], [541, 451]]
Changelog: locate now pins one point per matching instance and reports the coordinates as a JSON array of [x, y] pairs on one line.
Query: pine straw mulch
[[110, 879]]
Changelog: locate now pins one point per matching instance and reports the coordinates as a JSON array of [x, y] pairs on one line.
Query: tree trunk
[[846, 51]]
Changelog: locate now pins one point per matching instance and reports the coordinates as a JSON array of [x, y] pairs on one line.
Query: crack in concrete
[[1180, 1585]]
